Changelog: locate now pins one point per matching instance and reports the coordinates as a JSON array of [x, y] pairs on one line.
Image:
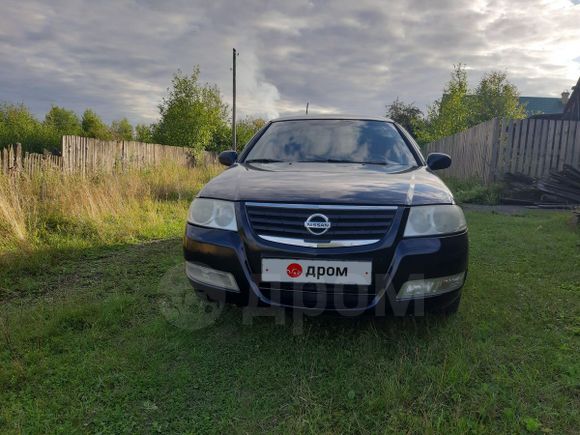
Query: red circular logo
[[294, 270]]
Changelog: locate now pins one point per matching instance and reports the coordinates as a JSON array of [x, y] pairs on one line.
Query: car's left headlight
[[428, 220], [213, 213]]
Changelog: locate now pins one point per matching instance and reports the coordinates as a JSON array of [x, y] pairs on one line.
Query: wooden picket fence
[[83, 154], [87, 155], [12, 160], [533, 147]]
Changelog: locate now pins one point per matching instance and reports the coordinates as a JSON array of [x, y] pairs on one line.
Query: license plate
[[317, 271]]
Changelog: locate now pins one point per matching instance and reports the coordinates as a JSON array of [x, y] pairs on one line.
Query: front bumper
[[395, 260]]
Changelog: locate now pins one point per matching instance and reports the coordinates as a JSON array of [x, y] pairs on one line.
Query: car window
[[341, 141]]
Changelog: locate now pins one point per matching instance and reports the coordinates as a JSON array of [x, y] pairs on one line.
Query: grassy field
[[89, 343]]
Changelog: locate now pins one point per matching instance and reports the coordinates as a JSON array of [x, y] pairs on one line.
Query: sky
[[343, 56]]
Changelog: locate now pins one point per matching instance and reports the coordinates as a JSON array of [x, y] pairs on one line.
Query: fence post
[[18, 158], [4, 159]]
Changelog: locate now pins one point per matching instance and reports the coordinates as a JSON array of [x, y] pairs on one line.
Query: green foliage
[[460, 109], [246, 129], [18, 125], [495, 96], [472, 191], [122, 129], [222, 139], [192, 114], [63, 121], [452, 113], [532, 424], [144, 133], [407, 115], [93, 126]]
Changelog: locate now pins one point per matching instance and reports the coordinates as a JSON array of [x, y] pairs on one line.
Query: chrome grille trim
[[329, 244], [322, 207]]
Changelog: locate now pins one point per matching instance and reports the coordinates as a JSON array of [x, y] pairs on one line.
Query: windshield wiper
[[263, 161], [342, 161]]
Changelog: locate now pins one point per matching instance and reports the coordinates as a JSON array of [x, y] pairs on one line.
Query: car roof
[[330, 116]]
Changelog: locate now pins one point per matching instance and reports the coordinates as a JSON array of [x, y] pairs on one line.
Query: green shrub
[[474, 192]]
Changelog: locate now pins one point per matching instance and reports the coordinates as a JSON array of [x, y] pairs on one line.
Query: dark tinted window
[[332, 140]]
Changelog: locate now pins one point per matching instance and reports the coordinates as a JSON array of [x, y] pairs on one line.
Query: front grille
[[347, 223]]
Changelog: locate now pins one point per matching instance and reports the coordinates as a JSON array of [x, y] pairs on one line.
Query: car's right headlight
[[213, 213], [428, 220]]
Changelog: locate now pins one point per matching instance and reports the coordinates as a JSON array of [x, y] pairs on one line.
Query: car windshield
[[332, 141]]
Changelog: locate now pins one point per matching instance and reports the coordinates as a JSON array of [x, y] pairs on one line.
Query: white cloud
[[118, 57]]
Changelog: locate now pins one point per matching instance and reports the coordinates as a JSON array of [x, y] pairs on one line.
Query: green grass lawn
[[86, 346]]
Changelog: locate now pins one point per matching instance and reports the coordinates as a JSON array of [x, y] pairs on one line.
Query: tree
[[63, 121], [495, 96], [191, 114], [122, 129], [246, 128], [93, 126], [144, 133], [459, 109], [452, 113], [17, 124], [408, 115]]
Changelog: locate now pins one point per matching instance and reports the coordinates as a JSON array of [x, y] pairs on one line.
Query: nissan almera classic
[[329, 213]]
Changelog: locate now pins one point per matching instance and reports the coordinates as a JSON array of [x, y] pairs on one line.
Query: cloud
[[344, 56]]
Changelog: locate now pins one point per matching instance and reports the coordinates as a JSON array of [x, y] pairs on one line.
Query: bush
[[472, 191], [18, 125]]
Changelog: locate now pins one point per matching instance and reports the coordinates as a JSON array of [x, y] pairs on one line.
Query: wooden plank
[[5, 160], [515, 146], [536, 140], [563, 145], [522, 145], [556, 149], [507, 146], [494, 149], [570, 142], [549, 148], [576, 149]]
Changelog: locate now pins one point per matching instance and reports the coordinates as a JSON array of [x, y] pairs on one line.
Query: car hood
[[328, 183]]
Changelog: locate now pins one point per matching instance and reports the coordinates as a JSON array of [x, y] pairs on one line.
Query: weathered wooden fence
[[85, 154], [533, 147], [12, 160]]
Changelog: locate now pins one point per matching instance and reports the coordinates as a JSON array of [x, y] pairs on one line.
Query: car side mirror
[[228, 158], [436, 161]]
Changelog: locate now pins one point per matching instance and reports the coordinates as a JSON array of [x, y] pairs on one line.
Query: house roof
[[535, 105], [572, 109]]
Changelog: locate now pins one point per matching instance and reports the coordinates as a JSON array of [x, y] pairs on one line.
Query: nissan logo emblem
[[317, 224]]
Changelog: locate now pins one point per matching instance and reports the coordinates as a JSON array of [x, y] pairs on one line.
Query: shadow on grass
[[38, 272], [155, 270], [182, 308]]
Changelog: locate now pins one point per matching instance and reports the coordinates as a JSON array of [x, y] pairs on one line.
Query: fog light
[[212, 277], [430, 287]]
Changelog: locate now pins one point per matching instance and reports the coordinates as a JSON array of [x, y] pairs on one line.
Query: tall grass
[[54, 208]]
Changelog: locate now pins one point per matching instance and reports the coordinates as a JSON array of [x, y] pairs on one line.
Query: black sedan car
[[334, 213]]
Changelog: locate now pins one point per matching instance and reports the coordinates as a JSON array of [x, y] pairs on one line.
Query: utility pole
[[234, 101], [307, 104]]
